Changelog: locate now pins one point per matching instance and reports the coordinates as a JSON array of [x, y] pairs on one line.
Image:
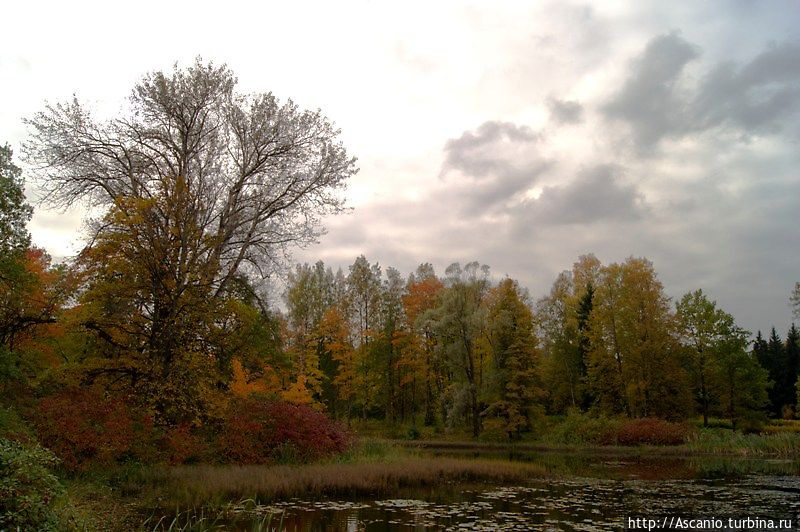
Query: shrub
[[12, 427], [27, 487], [82, 427], [649, 431], [258, 431], [581, 429], [181, 445]]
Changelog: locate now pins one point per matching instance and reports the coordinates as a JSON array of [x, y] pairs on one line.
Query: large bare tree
[[200, 191]]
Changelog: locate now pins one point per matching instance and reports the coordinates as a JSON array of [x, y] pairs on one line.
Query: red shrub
[[649, 431], [258, 431], [180, 445], [83, 427]]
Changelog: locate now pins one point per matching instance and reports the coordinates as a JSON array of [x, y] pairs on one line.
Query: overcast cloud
[[519, 136]]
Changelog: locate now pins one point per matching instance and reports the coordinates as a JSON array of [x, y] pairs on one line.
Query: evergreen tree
[[760, 350], [775, 359], [792, 369], [515, 381]]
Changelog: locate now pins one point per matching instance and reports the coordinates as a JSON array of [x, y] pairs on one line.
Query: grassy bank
[[145, 498], [704, 443], [201, 485], [582, 433]]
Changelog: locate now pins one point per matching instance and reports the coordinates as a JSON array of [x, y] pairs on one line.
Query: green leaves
[[14, 212]]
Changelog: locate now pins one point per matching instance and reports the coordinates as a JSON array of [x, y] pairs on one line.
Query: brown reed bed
[[206, 484]]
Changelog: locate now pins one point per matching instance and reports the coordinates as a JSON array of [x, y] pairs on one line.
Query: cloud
[[596, 195], [755, 97], [565, 111], [492, 165], [658, 100], [649, 100]]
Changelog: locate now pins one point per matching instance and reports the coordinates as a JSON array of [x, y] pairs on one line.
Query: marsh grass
[[725, 442], [209, 485]]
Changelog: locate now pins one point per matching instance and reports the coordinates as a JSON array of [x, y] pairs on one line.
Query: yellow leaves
[[299, 393], [244, 384]]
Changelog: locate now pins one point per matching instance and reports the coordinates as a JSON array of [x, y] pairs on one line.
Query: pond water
[[587, 493]]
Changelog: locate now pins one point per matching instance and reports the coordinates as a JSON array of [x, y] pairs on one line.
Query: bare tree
[[253, 174], [201, 188]]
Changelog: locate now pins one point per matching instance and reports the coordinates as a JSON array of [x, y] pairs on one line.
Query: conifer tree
[[792, 370]]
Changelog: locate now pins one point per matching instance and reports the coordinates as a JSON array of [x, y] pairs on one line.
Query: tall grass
[[721, 441], [203, 484]]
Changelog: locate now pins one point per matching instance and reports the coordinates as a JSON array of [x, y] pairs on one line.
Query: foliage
[[515, 370], [713, 345], [634, 365], [460, 322], [649, 431], [182, 445], [258, 431], [14, 211], [781, 360], [13, 427], [563, 327], [85, 428], [582, 429], [202, 190], [28, 488]]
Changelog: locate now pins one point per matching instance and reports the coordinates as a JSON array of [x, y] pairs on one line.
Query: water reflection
[[587, 493]]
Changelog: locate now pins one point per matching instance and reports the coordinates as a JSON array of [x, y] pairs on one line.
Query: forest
[[158, 343]]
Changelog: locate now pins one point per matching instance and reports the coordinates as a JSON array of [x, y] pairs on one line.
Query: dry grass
[[193, 485]]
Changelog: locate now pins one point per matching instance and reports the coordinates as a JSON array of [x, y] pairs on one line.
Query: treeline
[[459, 350], [456, 351], [200, 190]]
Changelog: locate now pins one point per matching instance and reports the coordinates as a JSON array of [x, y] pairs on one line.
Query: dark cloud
[[476, 153], [754, 97], [657, 100], [596, 195], [495, 163], [565, 111], [649, 101]]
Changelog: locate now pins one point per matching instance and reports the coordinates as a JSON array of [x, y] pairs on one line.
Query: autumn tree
[[419, 361], [202, 189], [14, 213], [32, 291], [515, 382], [563, 323], [336, 349], [364, 295], [390, 337], [634, 364], [310, 292], [743, 383], [460, 323], [706, 333], [14, 242]]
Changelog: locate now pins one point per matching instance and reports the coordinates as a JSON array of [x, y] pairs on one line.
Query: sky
[[517, 134]]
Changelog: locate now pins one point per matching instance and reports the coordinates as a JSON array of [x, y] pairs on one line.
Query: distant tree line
[[463, 351], [201, 190]]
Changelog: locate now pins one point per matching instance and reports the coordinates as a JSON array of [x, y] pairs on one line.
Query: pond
[[587, 493]]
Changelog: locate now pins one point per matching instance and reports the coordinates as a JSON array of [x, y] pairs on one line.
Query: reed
[[205, 484], [722, 442]]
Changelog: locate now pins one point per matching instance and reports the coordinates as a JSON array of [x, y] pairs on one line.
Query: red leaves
[[258, 431], [83, 427], [649, 431]]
